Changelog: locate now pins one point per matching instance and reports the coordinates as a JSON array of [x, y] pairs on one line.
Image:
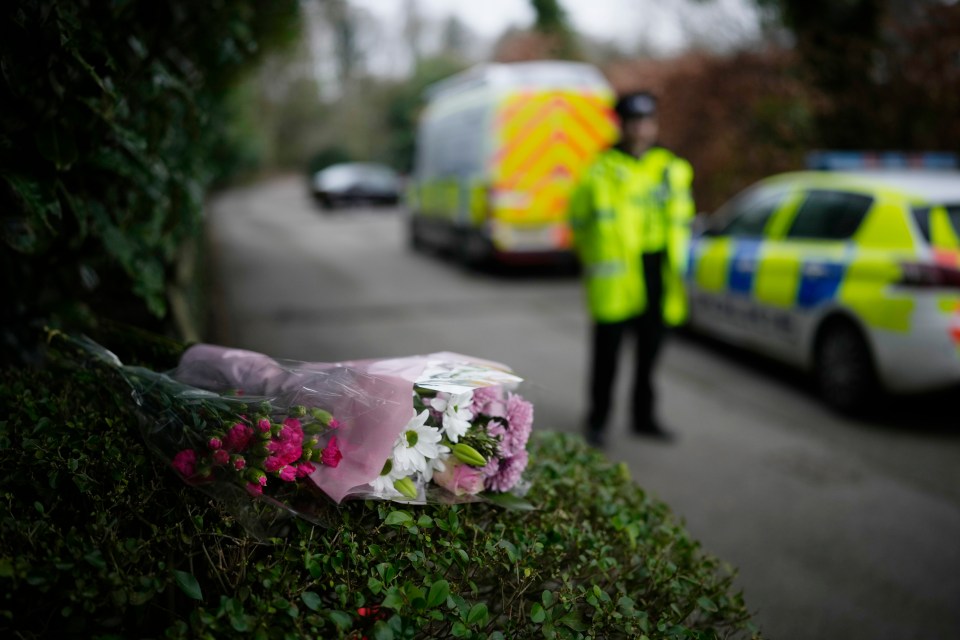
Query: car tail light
[[917, 274]]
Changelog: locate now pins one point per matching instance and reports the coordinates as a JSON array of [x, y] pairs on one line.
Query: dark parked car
[[356, 183]]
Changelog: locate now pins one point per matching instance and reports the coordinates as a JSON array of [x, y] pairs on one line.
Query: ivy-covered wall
[[114, 122]]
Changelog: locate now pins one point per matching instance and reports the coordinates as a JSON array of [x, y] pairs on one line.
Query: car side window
[[749, 215], [829, 215], [922, 216]]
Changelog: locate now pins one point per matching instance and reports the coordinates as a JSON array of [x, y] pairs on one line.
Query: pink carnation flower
[[334, 423], [509, 472], [331, 453], [520, 422], [460, 479], [239, 463], [304, 469], [288, 474], [215, 443], [254, 489], [284, 454], [263, 425], [288, 448], [185, 462], [291, 430], [238, 438], [220, 456]]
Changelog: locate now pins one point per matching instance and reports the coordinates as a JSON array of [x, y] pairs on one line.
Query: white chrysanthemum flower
[[436, 465], [383, 484], [417, 443], [456, 413]]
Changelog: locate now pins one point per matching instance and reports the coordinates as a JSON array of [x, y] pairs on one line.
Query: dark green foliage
[[883, 74], [551, 21], [550, 16], [114, 123], [326, 157], [99, 539]]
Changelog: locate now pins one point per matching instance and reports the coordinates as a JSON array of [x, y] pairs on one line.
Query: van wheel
[[844, 371], [473, 251], [414, 236]]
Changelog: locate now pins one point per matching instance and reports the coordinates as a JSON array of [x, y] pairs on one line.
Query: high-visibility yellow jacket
[[622, 208]]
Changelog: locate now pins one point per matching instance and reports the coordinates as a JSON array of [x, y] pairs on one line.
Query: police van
[[853, 276], [499, 148]]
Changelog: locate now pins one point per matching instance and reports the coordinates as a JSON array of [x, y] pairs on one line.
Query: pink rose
[[185, 462], [459, 478]]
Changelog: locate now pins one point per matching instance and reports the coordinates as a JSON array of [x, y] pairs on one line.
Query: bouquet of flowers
[[465, 441], [298, 435]]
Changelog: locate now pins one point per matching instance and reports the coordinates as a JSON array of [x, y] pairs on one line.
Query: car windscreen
[[922, 216], [747, 214]]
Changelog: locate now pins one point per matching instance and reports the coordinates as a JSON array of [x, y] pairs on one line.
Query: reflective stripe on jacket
[[622, 208]]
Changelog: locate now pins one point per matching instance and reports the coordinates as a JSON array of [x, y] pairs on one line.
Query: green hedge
[[99, 539], [115, 119]]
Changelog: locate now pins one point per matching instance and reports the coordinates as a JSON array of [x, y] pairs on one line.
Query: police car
[[852, 276]]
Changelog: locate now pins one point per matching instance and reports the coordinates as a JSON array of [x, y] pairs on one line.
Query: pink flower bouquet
[[251, 430], [424, 428]]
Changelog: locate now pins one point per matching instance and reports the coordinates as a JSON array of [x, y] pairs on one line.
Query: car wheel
[[844, 371]]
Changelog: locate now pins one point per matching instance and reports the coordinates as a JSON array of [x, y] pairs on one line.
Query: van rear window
[[922, 217]]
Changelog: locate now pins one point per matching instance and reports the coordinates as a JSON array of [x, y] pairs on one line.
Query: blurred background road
[[839, 528]]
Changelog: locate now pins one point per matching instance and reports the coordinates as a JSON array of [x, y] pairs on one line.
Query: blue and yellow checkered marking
[[743, 266], [819, 283], [816, 281]]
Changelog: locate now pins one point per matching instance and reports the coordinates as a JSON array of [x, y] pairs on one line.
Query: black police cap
[[642, 104]]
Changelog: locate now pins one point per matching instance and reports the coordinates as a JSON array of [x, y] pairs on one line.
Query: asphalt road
[[839, 528]]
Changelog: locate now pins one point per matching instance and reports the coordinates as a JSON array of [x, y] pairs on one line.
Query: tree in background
[[348, 55], [114, 123], [550, 37], [885, 71], [371, 116]]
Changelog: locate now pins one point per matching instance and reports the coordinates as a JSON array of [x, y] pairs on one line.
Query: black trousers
[[647, 331]]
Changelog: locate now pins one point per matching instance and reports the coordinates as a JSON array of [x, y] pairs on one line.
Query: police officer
[[631, 215]]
